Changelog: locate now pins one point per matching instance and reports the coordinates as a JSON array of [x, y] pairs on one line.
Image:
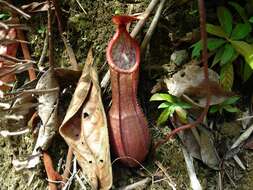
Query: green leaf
[[225, 19], [216, 30], [240, 31], [245, 49], [231, 109], [251, 19], [183, 105], [231, 100], [196, 49], [240, 10], [163, 97], [4, 16], [228, 54], [164, 105], [247, 72], [214, 43], [164, 115], [227, 76], [213, 109], [217, 56]]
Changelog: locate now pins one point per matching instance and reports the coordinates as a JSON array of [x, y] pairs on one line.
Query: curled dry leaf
[[47, 111], [85, 129]]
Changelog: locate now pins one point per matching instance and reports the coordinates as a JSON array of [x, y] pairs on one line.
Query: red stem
[[205, 63]]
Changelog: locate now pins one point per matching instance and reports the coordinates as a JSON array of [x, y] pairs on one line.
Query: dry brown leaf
[[47, 111], [85, 129]]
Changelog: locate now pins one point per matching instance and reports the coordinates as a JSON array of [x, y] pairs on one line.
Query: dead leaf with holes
[[47, 111], [190, 82], [85, 129]]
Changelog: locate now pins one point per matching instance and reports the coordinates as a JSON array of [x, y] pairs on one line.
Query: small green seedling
[[228, 105], [170, 106]]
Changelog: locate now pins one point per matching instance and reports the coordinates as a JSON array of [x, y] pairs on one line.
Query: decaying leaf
[[85, 129], [208, 152], [47, 111], [190, 81], [190, 76]]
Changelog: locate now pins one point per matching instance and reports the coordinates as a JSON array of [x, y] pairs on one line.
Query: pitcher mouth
[[123, 53]]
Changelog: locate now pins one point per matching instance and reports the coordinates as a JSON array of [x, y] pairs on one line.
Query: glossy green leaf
[[245, 49], [183, 105], [251, 19], [247, 72], [240, 10], [164, 115], [231, 109], [217, 56], [228, 54], [225, 19], [241, 31], [227, 76], [231, 100], [196, 49], [164, 105], [216, 30], [214, 43], [163, 97], [213, 109]]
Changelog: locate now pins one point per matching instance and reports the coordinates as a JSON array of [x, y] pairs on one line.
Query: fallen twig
[[195, 184], [69, 49], [6, 133], [68, 164], [152, 26], [142, 183], [145, 15], [17, 10]]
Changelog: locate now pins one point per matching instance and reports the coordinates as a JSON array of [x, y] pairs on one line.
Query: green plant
[[230, 41], [4, 15], [170, 106], [227, 105]]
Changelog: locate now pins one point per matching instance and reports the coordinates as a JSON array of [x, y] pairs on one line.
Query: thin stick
[[152, 26], [44, 51], [26, 16], [195, 184], [81, 7], [145, 15], [49, 33], [139, 184], [69, 49], [26, 53], [205, 62], [66, 172]]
